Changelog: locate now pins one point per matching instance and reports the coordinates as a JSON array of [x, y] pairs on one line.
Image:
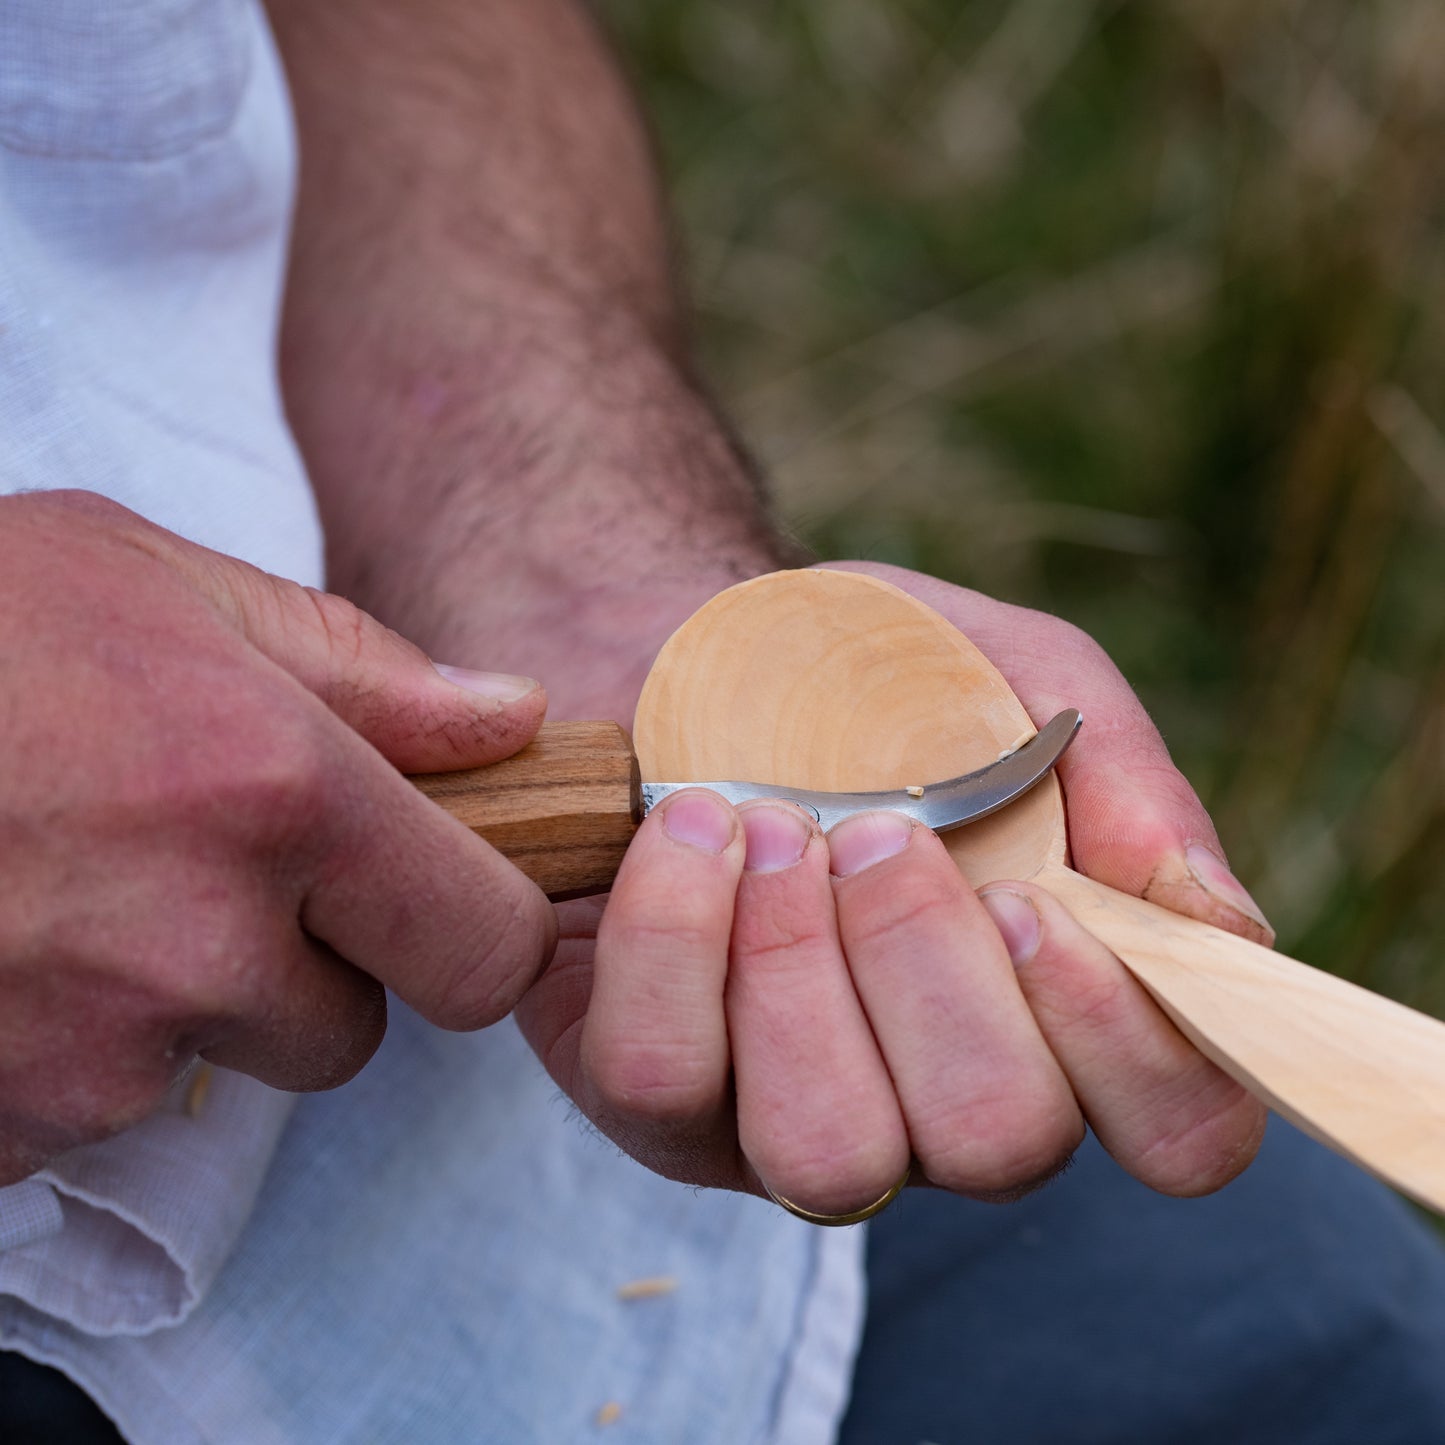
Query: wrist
[[556, 511]]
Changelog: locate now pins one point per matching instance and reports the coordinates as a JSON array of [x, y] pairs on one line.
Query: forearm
[[483, 350]]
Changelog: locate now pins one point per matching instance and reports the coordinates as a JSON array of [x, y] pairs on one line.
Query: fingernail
[[860, 842], [700, 819], [777, 834], [503, 686], [1212, 874], [1017, 922]]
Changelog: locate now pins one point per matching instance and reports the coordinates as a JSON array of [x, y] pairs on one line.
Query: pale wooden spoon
[[835, 680]]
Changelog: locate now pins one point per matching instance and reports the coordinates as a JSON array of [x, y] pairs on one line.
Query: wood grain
[[563, 809], [835, 680]]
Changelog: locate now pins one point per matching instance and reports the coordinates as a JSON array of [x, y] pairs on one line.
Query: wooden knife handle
[[563, 809]]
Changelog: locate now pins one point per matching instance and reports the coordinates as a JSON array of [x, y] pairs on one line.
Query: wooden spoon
[[834, 680]]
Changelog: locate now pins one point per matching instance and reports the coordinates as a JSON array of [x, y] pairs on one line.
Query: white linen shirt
[[435, 1251]]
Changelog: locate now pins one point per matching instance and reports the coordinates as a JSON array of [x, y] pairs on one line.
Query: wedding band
[[857, 1216]]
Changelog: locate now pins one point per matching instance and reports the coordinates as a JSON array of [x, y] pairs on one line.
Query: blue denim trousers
[[1302, 1305]]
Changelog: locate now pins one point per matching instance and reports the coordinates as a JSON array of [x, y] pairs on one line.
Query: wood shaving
[[914, 792], [610, 1413], [1018, 742], [200, 1087], [649, 1288]]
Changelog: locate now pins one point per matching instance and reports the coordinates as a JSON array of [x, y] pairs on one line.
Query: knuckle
[[361, 655], [343, 624], [1133, 758], [214, 984], [659, 918], [782, 942], [914, 901], [1130, 819], [1144, 785], [1047, 641], [348, 635], [685, 936], [277, 606], [649, 1080], [1003, 1150], [275, 781], [1072, 641], [1165, 791], [1097, 1001], [218, 958], [1199, 1153], [329, 643], [259, 778], [487, 975]]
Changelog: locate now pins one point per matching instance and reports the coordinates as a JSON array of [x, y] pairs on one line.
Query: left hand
[[759, 1005]]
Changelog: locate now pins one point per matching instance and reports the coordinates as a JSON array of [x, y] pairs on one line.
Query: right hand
[[206, 847]]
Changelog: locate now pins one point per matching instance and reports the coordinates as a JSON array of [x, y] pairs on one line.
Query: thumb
[[1134, 821], [421, 716]]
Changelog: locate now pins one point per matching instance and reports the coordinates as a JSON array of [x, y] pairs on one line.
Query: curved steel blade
[[939, 806]]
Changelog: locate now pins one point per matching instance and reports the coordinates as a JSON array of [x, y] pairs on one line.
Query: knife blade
[[940, 806], [565, 808]]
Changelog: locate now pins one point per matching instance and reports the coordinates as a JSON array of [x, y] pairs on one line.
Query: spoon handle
[[1362, 1074]]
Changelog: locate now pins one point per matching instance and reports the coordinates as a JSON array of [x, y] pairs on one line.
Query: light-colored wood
[[1361, 1073], [833, 680], [563, 809], [836, 680]]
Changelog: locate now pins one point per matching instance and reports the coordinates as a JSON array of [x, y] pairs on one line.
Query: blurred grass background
[[1135, 313]]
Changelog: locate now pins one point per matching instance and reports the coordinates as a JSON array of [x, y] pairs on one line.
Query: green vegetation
[[1136, 313]]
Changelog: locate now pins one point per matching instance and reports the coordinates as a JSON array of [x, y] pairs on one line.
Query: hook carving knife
[[565, 808]]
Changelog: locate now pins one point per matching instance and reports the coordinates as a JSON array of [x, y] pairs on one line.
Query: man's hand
[[485, 362], [205, 845], [759, 1005]]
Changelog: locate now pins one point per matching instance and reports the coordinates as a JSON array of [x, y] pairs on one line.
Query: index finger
[[653, 1061], [407, 894]]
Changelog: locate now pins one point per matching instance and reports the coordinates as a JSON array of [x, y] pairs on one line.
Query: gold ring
[[857, 1216]]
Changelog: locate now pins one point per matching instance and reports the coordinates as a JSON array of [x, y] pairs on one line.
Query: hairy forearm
[[483, 349]]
